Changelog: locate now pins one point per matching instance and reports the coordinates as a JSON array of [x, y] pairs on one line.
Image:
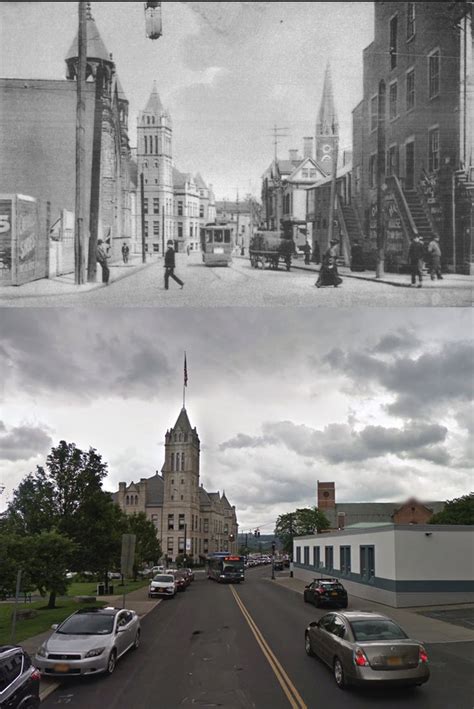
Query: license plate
[[218, 250], [61, 668], [333, 593], [394, 661]]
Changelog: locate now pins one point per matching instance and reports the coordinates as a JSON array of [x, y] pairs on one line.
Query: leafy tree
[[14, 554], [51, 555], [457, 511], [147, 548], [299, 523]]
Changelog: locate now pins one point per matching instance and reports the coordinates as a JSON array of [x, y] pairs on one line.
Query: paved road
[[240, 285], [209, 648]]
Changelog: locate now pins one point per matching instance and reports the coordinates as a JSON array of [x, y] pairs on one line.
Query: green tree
[[457, 511], [50, 557], [14, 555], [147, 548], [299, 523]]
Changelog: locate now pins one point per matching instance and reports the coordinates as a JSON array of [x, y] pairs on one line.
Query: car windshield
[[164, 578], [377, 630], [87, 624]]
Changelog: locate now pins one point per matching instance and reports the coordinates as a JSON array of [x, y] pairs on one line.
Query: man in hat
[[102, 258], [434, 251], [170, 266], [415, 260]]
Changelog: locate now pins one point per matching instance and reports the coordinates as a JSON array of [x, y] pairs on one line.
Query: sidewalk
[[137, 601], [64, 285], [424, 629]]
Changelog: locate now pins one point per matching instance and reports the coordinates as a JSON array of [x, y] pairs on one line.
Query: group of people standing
[[417, 256]]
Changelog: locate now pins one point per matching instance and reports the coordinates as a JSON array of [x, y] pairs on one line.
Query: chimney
[[308, 147], [293, 154]]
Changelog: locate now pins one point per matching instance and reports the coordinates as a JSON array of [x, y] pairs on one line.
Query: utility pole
[[380, 180], [79, 231], [276, 135], [142, 202], [237, 230], [332, 199], [185, 530], [163, 229]]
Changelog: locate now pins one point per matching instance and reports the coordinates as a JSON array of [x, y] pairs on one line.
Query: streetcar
[[225, 567], [269, 248], [216, 244]]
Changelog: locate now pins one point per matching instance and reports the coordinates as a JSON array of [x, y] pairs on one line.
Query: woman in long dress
[[328, 275]]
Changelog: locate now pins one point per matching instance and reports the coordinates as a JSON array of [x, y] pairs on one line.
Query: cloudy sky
[[228, 72], [377, 400]]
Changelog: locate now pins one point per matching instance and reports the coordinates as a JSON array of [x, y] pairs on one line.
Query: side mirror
[[314, 624], [307, 586], [121, 629], [55, 626]]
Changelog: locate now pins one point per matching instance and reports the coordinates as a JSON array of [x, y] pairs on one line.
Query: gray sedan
[[90, 641], [367, 648]]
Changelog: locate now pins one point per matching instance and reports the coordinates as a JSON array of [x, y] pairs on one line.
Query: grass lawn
[[89, 588], [43, 621]]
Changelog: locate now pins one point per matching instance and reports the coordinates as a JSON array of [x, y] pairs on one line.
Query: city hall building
[[185, 515]]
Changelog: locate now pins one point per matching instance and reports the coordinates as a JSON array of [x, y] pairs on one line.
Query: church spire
[[154, 105], [327, 123]]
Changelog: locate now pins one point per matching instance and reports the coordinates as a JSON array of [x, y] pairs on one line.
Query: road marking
[[286, 684]]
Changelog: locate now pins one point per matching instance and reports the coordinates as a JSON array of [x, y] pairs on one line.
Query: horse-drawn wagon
[[268, 248]]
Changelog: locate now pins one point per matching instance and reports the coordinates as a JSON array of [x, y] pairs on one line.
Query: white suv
[[162, 585]]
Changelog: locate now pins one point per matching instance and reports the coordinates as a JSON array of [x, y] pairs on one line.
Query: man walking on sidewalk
[[415, 259], [170, 266], [102, 258], [434, 251]]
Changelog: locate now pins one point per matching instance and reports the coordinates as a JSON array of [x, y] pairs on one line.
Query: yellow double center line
[[287, 685]]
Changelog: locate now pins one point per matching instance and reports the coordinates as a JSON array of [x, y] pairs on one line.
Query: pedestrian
[[102, 258], [434, 252], [328, 275], [415, 260], [307, 253], [170, 266], [125, 252], [187, 249]]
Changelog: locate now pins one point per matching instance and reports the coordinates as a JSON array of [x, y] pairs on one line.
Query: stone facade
[[183, 512]]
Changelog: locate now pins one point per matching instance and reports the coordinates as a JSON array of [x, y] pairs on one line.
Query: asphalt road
[[242, 646], [241, 285]]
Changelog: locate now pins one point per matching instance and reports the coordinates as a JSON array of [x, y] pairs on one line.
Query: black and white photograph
[[236, 355]]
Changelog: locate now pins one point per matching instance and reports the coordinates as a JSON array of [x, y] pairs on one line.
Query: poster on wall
[[27, 236], [6, 215]]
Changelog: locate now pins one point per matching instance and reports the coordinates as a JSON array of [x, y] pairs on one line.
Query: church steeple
[[327, 125], [154, 105]]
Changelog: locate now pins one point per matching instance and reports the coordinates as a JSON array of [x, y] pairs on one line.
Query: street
[[242, 646], [240, 285]]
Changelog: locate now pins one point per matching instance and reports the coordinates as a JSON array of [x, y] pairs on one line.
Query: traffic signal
[[256, 533], [273, 548]]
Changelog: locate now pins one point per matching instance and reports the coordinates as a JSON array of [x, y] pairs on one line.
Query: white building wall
[[444, 555]]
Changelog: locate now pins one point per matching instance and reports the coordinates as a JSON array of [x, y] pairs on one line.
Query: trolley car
[[216, 244], [268, 248]]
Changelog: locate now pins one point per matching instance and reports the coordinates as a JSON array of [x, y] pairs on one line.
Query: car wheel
[[307, 645], [137, 640], [111, 662], [339, 674], [344, 605], [31, 703]]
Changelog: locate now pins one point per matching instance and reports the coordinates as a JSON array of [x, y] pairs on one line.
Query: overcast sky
[[227, 71], [377, 400]]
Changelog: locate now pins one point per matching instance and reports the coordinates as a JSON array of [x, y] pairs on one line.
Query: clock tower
[[327, 126]]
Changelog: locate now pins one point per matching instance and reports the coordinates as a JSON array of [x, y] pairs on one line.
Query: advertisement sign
[[27, 240], [395, 239], [6, 216]]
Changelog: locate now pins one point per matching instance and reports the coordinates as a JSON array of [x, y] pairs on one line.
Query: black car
[[326, 591], [19, 680]]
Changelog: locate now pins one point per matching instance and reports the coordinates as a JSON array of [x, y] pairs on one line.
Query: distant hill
[[261, 543]]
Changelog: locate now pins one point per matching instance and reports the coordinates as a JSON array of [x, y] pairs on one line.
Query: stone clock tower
[[327, 127]]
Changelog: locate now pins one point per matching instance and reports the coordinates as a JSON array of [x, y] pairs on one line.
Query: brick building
[[183, 512], [413, 160]]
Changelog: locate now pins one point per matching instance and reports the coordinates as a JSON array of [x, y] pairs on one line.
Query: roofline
[[392, 528]]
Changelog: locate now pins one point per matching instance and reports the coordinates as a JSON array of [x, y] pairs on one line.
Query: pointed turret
[[182, 422], [154, 105], [97, 52], [327, 126]]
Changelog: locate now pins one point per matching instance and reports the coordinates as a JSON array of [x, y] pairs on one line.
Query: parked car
[[19, 679], [158, 570], [181, 578], [326, 591], [278, 565], [89, 641], [191, 574], [114, 575], [162, 585], [364, 648]]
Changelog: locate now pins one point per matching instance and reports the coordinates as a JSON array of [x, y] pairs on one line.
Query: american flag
[[185, 372]]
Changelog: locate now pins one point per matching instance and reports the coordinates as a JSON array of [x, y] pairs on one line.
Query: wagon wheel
[[253, 262], [262, 261]]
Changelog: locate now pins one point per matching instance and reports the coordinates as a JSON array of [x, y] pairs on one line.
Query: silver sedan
[[90, 641], [367, 648]]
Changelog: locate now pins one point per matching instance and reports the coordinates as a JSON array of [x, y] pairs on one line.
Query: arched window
[[172, 461], [146, 145], [148, 120], [136, 499], [153, 119], [156, 163], [156, 144], [182, 461], [177, 461], [127, 501], [180, 436]]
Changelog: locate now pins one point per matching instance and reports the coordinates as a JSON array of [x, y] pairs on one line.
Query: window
[[345, 565], [171, 521], [356, 182], [146, 229], [206, 525], [316, 557], [155, 164], [180, 209], [410, 95], [170, 545], [329, 558], [146, 145], [156, 205], [433, 143], [433, 73], [306, 556], [156, 248], [206, 545], [373, 171], [177, 461], [410, 20], [182, 464], [393, 99], [374, 101], [367, 562], [181, 522], [156, 148], [298, 555], [392, 160], [156, 228], [393, 49], [305, 173], [180, 230], [181, 545], [145, 206], [201, 210]]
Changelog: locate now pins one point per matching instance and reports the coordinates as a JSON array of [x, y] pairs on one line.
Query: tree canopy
[[457, 511], [303, 521]]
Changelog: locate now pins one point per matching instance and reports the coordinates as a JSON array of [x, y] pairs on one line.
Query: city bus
[[216, 244], [224, 566]]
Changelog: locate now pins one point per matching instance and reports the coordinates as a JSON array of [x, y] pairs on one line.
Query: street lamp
[[153, 20]]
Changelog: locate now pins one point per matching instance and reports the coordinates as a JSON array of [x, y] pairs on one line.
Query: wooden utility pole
[[380, 265], [79, 231], [332, 198], [142, 202]]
